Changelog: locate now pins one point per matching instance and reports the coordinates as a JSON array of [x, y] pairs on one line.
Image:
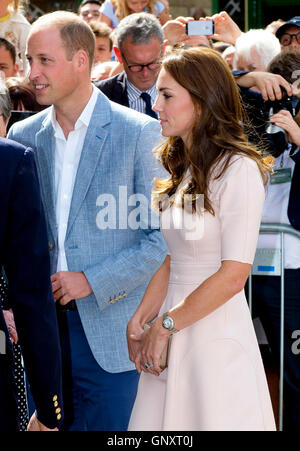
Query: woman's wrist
[[160, 329]]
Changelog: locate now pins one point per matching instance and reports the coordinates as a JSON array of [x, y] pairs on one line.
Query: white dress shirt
[[275, 210], [67, 157]]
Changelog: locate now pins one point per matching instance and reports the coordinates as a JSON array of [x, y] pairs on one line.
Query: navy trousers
[[266, 305], [94, 400]]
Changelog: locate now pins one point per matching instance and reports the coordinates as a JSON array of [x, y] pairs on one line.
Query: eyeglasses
[[287, 38], [154, 65]]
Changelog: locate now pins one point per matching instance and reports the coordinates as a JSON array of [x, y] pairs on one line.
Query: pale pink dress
[[215, 379]]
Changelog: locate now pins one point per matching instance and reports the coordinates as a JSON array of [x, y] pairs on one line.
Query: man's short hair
[[286, 64], [102, 30], [85, 2], [10, 48], [140, 28], [75, 33]]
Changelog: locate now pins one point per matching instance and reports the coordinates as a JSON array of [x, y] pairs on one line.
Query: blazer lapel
[[45, 145], [92, 147]]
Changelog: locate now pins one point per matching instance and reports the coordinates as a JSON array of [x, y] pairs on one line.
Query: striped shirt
[[134, 96]]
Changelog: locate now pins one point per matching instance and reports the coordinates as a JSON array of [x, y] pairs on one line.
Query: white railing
[[281, 229]]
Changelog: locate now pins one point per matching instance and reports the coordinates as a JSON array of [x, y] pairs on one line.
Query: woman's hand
[[10, 323], [285, 120], [153, 343]]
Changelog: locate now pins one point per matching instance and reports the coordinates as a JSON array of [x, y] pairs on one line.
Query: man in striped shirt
[[140, 41]]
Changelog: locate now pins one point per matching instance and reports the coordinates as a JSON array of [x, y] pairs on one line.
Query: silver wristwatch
[[168, 323]]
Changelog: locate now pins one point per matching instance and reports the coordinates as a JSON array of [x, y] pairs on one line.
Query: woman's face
[[174, 106], [137, 6]]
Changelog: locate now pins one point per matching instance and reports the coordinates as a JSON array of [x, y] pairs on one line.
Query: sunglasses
[[287, 38]]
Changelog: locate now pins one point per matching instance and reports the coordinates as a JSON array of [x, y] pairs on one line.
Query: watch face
[[168, 323]]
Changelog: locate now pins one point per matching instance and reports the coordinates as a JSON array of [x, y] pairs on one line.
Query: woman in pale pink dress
[[215, 378]]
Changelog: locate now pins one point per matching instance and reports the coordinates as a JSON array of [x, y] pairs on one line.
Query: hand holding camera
[[278, 129], [285, 121]]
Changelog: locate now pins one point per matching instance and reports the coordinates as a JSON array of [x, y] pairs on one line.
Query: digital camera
[[277, 137]]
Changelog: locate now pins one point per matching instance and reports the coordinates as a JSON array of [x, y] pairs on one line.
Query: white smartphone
[[200, 28]]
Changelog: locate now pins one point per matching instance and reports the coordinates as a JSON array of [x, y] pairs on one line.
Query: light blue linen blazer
[[118, 261]]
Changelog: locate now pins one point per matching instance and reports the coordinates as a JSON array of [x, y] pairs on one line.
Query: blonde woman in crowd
[[112, 11]]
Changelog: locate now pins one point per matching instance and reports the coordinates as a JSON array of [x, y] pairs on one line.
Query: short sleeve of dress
[[241, 197]]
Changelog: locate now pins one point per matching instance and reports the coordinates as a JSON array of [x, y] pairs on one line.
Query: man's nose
[[34, 71], [294, 43], [145, 70]]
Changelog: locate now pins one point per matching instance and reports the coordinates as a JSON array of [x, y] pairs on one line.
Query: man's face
[[141, 54], [255, 62], [52, 75], [89, 12], [7, 65], [102, 50], [295, 40]]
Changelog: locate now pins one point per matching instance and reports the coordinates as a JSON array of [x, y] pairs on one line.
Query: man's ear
[[82, 60], [118, 54]]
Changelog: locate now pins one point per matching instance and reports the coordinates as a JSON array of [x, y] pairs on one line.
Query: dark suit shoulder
[[115, 88], [12, 152], [8, 145], [111, 81]]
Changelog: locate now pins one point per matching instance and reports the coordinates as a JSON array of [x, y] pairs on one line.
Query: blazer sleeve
[[27, 268], [121, 273]]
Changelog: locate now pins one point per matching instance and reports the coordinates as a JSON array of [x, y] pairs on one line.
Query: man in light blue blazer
[[96, 167]]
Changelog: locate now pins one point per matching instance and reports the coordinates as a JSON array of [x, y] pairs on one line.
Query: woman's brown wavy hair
[[218, 132]]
